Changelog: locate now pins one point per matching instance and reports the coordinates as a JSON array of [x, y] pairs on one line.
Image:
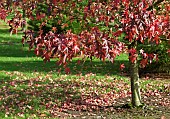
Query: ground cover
[[30, 88]]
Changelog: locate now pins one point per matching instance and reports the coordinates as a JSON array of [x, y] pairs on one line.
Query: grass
[[30, 88]]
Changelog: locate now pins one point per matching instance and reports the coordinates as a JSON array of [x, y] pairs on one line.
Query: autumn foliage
[[129, 17]]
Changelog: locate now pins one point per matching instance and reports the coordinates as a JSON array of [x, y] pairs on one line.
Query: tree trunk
[[135, 84]]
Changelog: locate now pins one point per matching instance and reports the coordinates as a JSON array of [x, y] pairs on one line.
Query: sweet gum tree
[[92, 28]]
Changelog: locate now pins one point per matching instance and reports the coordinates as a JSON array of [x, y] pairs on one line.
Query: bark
[[135, 83]]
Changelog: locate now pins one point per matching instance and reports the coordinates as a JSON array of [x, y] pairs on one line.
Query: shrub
[[163, 63]]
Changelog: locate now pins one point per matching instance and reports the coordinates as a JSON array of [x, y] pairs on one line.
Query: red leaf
[[36, 51], [156, 39], [132, 51], [122, 66], [12, 83], [143, 62], [59, 70], [78, 62], [67, 70], [117, 33], [46, 57], [168, 51], [54, 2], [132, 58]]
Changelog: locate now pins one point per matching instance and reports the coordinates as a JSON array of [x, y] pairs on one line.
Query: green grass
[[31, 88]]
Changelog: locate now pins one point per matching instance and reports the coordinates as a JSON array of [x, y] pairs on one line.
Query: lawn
[[30, 88]]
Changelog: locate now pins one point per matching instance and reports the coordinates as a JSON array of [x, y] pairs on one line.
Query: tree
[[99, 24], [3, 12], [141, 25]]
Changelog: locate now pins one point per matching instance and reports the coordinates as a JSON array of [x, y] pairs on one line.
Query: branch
[[155, 4]]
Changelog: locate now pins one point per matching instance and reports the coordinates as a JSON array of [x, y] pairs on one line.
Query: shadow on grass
[[5, 37], [35, 96], [15, 50], [18, 58], [95, 67], [4, 30], [9, 40]]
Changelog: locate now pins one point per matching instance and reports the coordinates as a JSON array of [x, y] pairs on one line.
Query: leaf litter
[[80, 97]]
